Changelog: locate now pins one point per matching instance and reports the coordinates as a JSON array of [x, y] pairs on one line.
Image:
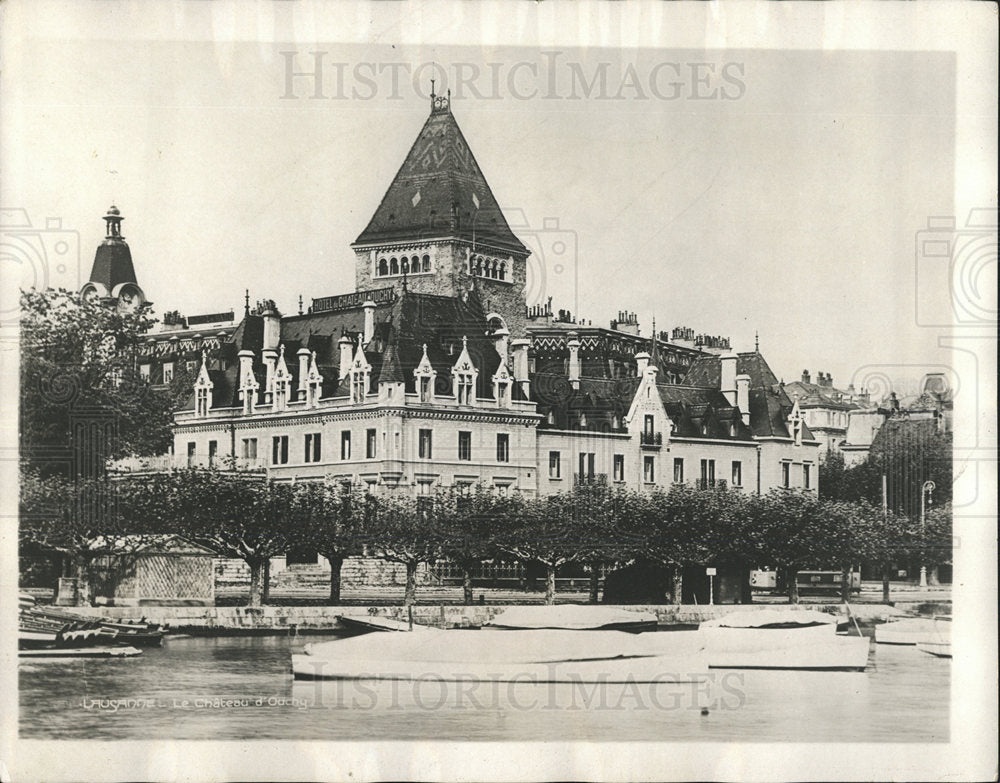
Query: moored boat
[[80, 652], [573, 617], [367, 623], [530, 656], [909, 630], [939, 649], [938, 641]]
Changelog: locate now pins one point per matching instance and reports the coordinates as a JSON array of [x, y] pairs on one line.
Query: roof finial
[[300, 304], [246, 302], [432, 92], [756, 341]]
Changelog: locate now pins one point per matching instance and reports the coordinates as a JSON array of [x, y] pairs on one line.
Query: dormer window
[[282, 383], [502, 386], [464, 375], [360, 374], [203, 390], [425, 377]]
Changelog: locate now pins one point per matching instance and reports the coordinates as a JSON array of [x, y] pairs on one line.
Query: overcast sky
[[725, 190]]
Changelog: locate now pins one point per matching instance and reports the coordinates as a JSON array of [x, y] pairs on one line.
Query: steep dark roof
[[769, 403], [600, 400], [699, 412], [813, 395], [436, 192], [113, 264]]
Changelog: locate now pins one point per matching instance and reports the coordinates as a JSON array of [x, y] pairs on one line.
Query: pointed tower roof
[[113, 260], [391, 370], [440, 191]]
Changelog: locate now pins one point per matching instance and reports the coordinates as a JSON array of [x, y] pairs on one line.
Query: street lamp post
[[927, 488]]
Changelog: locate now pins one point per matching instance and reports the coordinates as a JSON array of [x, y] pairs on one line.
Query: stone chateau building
[[435, 371]]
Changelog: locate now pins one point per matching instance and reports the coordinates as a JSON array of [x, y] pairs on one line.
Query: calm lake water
[[241, 687]]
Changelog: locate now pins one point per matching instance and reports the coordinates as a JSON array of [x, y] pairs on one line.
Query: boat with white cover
[[781, 639], [938, 641], [573, 617], [530, 656], [909, 630]]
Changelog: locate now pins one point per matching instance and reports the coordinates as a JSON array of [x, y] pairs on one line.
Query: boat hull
[[939, 649], [837, 653], [85, 652], [908, 631], [504, 656]]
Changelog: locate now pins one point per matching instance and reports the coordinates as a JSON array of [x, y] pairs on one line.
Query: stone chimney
[[248, 386], [806, 377], [574, 360], [743, 396], [369, 308], [641, 363], [272, 326], [346, 355], [727, 378], [500, 339], [303, 354], [270, 357], [519, 350], [626, 322]]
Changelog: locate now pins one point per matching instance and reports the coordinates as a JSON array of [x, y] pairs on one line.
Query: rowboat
[[529, 656], [573, 617], [939, 649], [938, 641]]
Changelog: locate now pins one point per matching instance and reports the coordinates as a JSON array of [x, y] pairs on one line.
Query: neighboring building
[[934, 403], [435, 372], [825, 407]]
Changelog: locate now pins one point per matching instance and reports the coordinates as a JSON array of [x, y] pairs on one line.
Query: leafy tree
[[331, 521], [404, 530], [468, 524], [77, 521], [236, 515], [546, 531], [784, 521], [82, 399]]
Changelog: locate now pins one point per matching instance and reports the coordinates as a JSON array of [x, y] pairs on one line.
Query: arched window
[[493, 270], [393, 266], [503, 270], [427, 263], [383, 267]]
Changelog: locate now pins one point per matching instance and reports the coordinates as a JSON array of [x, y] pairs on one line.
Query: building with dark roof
[[825, 407], [435, 371]]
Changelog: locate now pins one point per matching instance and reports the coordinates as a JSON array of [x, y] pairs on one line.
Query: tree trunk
[[933, 578], [410, 596], [678, 588], [595, 579], [265, 593], [845, 584], [793, 586], [467, 584], [82, 566], [336, 564], [258, 572], [550, 584], [885, 585]]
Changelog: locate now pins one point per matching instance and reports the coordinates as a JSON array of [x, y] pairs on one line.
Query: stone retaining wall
[[289, 619]]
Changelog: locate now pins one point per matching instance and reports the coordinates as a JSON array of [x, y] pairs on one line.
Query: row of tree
[[255, 519]]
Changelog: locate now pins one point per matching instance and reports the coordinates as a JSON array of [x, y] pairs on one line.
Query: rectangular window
[[279, 450], [503, 447], [465, 445], [555, 465], [190, 367], [426, 444], [587, 460], [503, 490], [785, 473], [425, 389], [678, 470], [708, 473], [213, 450], [345, 444], [144, 372], [248, 449], [737, 474], [648, 423], [807, 476], [371, 443], [168, 372], [190, 454], [619, 467], [424, 488], [313, 447], [648, 470]]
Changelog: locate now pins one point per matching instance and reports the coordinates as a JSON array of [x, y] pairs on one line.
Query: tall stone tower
[[439, 229]]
